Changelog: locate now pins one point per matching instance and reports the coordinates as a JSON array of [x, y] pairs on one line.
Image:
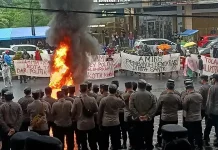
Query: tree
[[21, 18]]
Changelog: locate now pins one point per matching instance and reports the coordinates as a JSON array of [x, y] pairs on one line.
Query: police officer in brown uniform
[[49, 99], [66, 92], [192, 106], [24, 102], [168, 105], [84, 108], [4, 90], [38, 110], [104, 93], [135, 86], [109, 118], [143, 107], [62, 113], [95, 89], [72, 90], [165, 91], [204, 93], [11, 116], [127, 114], [184, 93], [90, 93]]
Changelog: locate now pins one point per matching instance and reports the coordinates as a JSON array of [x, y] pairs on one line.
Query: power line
[[106, 13]]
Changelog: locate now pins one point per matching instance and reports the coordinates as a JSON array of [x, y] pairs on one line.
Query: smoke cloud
[[74, 26]]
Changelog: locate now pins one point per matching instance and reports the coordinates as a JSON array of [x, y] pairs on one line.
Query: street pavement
[[159, 84]]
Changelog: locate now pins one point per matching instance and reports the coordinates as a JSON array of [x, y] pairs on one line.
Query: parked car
[[204, 39], [31, 50], [151, 42], [10, 51], [207, 49]]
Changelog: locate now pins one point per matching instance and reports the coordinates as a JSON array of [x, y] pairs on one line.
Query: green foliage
[[18, 55], [21, 18]]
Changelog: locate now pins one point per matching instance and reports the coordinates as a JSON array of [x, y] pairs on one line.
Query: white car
[[151, 42], [31, 49], [11, 52]]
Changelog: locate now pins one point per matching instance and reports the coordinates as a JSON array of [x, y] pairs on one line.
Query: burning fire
[[60, 67]]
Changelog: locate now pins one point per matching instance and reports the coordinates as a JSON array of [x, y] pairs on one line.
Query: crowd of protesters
[[101, 114]]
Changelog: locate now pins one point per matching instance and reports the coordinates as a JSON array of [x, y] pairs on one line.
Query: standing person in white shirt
[[6, 74]]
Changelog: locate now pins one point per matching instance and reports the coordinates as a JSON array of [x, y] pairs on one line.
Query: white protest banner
[[210, 64], [116, 59], [101, 70], [32, 68], [150, 64]]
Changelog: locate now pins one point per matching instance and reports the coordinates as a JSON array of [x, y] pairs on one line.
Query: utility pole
[[32, 19]]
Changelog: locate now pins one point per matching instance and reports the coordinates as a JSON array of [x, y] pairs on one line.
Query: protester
[[24, 102], [192, 107], [62, 113], [131, 40], [200, 66], [109, 118], [84, 108], [38, 112], [25, 55], [6, 74], [143, 106], [7, 58], [10, 119], [38, 55]]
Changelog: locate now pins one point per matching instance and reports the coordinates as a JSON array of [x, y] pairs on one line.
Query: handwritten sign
[[210, 64], [101, 70], [150, 64], [32, 68]]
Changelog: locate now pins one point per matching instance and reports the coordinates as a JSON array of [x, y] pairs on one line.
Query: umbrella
[[189, 44], [164, 47]]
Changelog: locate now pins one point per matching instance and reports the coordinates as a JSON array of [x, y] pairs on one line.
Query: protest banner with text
[[210, 64], [150, 64]]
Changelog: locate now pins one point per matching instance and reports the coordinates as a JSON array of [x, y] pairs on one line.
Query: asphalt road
[[158, 86]]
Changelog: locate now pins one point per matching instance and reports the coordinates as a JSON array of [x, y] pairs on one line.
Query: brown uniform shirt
[[127, 112], [69, 99], [192, 106], [99, 98], [204, 93], [142, 103], [91, 94], [109, 110], [175, 91], [51, 101], [62, 113], [83, 122], [11, 116], [169, 104], [24, 102], [38, 107]]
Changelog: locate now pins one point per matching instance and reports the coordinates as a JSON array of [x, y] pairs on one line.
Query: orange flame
[[60, 69]]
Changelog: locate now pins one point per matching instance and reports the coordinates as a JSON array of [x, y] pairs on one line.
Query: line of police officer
[[95, 117]]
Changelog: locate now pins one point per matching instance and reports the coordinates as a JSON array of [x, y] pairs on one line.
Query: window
[[11, 52], [1, 51], [22, 48], [150, 42]]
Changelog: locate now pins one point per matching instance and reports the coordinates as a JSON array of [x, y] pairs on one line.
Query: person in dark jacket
[[200, 65]]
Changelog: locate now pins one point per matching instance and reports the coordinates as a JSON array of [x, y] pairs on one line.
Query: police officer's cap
[[113, 86], [142, 81], [187, 80], [95, 86], [72, 87], [3, 91], [105, 87], [215, 76], [43, 143], [9, 95], [171, 81], [65, 87], [128, 84], [188, 83], [204, 77], [142, 84], [17, 141], [148, 85], [170, 85], [83, 86], [27, 89], [115, 82], [101, 86], [89, 83], [189, 86]]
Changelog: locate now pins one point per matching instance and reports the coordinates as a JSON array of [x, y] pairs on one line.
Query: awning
[[5, 34], [21, 33], [40, 31], [188, 32]]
